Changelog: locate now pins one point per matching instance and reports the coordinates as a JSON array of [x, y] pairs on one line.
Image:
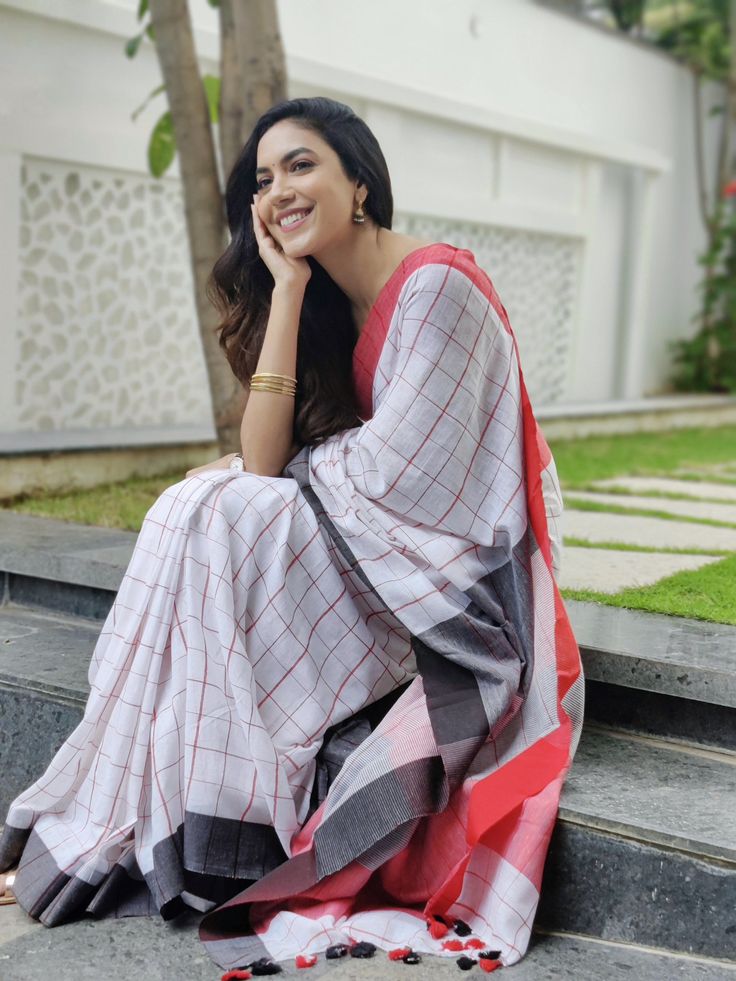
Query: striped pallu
[[257, 614]]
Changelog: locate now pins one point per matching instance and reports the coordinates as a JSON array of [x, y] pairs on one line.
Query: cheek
[[261, 210], [335, 211]]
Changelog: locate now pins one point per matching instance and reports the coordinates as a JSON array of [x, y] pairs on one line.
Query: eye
[[263, 182], [302, 163]]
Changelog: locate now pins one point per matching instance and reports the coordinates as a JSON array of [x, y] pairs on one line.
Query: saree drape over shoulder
[[259, 616]]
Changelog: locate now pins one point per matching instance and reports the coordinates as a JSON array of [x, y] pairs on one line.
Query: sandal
[[7, 896]]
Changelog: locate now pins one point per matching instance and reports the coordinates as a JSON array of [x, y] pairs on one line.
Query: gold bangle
[[280, 385], [273, 381], [264, 387], [267, 375]]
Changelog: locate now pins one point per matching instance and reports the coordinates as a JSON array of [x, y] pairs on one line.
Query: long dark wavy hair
[[241, 284]]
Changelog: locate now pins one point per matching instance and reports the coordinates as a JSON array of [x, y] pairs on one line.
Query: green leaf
[[150, 33], [142, 9], [214, 3], [151, 95], [161, 146], [212, 88], [132, 45]]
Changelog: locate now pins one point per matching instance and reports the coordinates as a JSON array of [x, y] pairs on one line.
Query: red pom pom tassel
[[474, 944], [306, 960], [453, 945], [488, 965], [437, 929], [399, 954], [237, 975]]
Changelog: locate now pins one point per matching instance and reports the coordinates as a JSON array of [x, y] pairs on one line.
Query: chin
[[297, 250]]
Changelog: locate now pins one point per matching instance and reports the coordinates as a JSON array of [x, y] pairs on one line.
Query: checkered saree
[[411, 555]]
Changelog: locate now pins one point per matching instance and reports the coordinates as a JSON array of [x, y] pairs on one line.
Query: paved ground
[[692, 500], [147, 949]]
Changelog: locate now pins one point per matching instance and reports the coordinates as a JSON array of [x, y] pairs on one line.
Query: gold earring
[[359, 215]]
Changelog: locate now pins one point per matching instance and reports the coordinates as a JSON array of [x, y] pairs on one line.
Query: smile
[[294, 220]]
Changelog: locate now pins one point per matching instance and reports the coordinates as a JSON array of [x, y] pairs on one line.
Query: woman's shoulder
[[441, 267], [443, 272]]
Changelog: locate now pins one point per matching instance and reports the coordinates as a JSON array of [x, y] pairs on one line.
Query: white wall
[[560, 154]]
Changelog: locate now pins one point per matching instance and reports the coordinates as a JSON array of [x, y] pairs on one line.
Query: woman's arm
[[266, 432]]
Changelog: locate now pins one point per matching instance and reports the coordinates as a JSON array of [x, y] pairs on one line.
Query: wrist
[[289, 291]]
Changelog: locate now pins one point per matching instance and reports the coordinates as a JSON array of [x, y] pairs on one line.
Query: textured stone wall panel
[[107, 328], [536, 276]]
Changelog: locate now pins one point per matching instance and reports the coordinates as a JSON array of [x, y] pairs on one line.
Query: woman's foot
[[7, 896]]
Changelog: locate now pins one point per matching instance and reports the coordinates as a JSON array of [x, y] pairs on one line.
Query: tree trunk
[[202, 198], [231, 109], [261, 59]]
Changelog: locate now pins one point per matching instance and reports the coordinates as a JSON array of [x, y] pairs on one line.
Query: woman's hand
[[222, 464], [286, 271]]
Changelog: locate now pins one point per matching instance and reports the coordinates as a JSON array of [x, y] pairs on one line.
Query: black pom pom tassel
[[465, 963], [363, 949]]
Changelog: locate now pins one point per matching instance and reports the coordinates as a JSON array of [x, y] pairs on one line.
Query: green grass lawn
[[580, 461], [708, 593], [704, 594], [122, 505]]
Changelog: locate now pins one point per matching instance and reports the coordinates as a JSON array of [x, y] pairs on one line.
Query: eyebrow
[[287, 157]]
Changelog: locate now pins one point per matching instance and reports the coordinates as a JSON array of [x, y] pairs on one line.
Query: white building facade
[[560, 154]]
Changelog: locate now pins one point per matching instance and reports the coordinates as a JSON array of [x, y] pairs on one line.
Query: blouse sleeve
[[444, 445]]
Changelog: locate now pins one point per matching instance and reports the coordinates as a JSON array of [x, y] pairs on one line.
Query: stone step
[[61, 565], [688, 658], [150, 949], [650, 673], [658, 674], [43, 688], [644, 850], [659, 808]]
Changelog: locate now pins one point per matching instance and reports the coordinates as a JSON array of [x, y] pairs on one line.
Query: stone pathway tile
[[595, 526], [664, 485], [608, 570], [727, 470], [688, 509]]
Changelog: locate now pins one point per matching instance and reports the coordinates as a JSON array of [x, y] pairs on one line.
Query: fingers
[[263, 237], [256, 221], [259, 227]]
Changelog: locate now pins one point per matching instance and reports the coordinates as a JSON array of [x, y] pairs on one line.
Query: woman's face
[[304, 198]]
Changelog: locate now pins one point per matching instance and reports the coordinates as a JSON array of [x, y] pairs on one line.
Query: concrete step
[[77, 569], [659, 809], [62, 566], [658, 675], [644, 850], [44, 658], [148, 949]]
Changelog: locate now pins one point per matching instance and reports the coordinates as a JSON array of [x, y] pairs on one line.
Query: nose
[[280, 189]]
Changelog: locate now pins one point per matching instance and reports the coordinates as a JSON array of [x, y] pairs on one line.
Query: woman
[[338, 688]]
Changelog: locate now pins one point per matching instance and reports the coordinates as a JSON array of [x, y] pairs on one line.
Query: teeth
[[290, 219]]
